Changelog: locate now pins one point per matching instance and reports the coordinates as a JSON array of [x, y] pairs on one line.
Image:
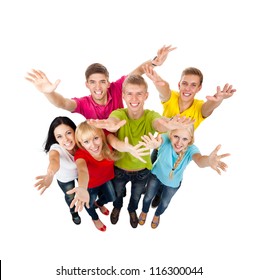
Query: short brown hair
[[96, 68], [193, 71], [135, 80]]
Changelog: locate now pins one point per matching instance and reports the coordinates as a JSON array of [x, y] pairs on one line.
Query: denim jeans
[[138, 181], [65, 187], [153, 187], [106, 194]]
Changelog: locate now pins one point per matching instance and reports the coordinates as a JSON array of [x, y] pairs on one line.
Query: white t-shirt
[[68, 170]]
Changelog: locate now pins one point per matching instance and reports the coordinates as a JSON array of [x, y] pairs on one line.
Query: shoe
[[155, 224], [133, 219], [76, 218], [114, 215], [155, 201], [102, 228], [142, 218], [102, 209]]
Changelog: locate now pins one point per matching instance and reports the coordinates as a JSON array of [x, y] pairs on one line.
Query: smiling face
[[188, 86], [134, 97], [180, 139], [98, 85], [65, 137], [92, 142]]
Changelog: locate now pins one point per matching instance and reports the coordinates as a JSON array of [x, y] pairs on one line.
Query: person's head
[[190, 83], [135, 92], [181, 138], [97, 81], [93, 140], [62, 132]]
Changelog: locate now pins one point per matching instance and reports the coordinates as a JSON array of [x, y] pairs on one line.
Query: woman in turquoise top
[[176, 150]]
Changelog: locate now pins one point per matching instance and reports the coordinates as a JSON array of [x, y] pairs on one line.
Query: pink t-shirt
[[87, 107]]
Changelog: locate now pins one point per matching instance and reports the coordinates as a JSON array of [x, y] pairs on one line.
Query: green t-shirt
[[134, 129]]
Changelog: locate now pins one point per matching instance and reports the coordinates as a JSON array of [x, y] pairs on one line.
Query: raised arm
[[158, 60], [44, 181], [42, 84], [161, 85], [213, 160], [136, 151], [214, 101]]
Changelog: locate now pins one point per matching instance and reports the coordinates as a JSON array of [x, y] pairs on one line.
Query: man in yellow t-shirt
[[183, 101]]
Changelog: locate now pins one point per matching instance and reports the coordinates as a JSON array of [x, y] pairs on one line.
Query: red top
[[100, 172]]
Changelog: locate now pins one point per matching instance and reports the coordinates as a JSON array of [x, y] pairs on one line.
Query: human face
[[92, 143], [188, 86], [64, 136], [98, 86], [134, 97], [180, 139]]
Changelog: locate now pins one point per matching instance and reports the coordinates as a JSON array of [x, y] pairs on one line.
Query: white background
[[212, 220]]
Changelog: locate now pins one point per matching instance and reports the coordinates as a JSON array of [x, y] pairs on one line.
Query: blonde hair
[[190, 130], [85, 130]]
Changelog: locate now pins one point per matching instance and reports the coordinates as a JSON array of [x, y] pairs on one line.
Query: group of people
[[112, 146]]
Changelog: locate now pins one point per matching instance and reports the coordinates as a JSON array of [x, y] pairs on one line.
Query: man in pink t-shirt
[[104, 97]]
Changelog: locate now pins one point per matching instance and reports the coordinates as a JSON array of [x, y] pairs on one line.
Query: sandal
[[155, 224], [142, 218], [102, 209], [102, 228]]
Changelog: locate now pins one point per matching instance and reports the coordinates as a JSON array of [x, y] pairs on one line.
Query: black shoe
[[114, 215], [133, 219], [76, 218], [155, 201]]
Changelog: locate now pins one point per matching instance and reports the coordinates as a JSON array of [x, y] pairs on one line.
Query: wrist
[[153, 64]]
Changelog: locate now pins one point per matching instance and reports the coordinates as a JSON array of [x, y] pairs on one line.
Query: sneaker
[[76, 218], [155, 201], [133, 219], [114, 215]]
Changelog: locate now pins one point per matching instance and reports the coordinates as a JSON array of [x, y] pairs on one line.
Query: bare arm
[[42, 84], [161, 85], [214, 101], [213, 160], [157, 61]]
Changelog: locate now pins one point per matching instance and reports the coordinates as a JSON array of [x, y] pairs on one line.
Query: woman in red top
[[95, 164]]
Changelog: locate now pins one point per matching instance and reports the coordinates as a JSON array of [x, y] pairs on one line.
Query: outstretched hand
[[44, 181], [137, 151], [227, 92], [41, 82], [215, 160], [152, 74], [150, 141], [81, 197], [108, 124], [162, 55]]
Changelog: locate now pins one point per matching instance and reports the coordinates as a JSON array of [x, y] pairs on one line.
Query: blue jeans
[[153, 187], [106, 194], [138, 181], [65, 187]]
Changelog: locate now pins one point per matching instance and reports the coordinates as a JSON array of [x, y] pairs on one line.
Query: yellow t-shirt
[[171, 108]]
